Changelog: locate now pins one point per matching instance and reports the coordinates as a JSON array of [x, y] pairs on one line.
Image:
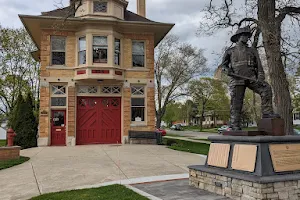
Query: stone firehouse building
[[97, 71]]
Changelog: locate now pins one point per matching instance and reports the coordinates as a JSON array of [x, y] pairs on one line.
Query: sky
[[186, 14]]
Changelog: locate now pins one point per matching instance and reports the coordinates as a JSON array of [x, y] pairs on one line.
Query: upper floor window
[[58, 50], [138, 54], [297, 116], [117, 51], [82, 51], [100, 49], [100, 6]]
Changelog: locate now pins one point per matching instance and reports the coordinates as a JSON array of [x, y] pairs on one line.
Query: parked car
[[223, 128], [162, 131], [177, 127], [296, 132]]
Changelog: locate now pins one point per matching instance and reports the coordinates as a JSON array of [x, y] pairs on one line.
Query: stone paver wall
[[244, 190]]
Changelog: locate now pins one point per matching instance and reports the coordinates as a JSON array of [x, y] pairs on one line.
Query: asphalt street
[[192, 134]]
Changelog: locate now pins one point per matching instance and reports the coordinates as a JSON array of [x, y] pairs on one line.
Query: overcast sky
[[184, 13]]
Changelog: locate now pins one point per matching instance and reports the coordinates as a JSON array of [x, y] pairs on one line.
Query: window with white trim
[[117, 51], [58, 50], [111, 89], [137, 103], [100, 6], [82, 89], [82, 51], [100, 47], [138, 54], [58, 96]]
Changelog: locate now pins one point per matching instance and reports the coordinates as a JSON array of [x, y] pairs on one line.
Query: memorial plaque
[[285, 157], [218, 155], [244, 157]]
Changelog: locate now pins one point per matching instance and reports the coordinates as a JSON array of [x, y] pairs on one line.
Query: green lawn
[[187, 146], [2, 143], [11, 163], [201, 139], [113, 192]]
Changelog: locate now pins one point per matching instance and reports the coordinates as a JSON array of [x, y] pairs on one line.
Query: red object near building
[[162, 131], [98, 120], [10, 137]]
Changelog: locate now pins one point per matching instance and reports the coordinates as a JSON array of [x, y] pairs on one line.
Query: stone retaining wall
[[9, 153], [244, 190]]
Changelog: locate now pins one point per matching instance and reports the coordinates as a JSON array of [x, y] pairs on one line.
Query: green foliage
[[19, 71], [10, 163], [2, 143], [111, 192], [173, 113], [211, 96], [25, 124], [187, 146]]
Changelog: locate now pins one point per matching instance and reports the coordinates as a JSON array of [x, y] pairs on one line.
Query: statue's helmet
[[241, 31]]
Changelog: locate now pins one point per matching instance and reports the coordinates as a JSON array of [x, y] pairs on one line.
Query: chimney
[[141, 8]]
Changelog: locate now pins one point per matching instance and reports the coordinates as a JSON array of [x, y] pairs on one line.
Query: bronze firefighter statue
[[242, 64]]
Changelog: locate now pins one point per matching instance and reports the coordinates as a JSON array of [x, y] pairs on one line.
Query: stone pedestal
[[257, 167]]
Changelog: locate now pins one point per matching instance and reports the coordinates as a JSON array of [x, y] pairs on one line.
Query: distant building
[[296, 118], [2, 134]]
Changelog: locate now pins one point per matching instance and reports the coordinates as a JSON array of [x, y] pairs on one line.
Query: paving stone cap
[[7, 148], [256, 139], [246, 176]]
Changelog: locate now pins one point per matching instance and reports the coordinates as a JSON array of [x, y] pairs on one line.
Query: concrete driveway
[[52, 169]]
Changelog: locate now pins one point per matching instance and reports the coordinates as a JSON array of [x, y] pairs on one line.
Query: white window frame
[[51, 52], [78, 53], [145, 50], [102, 47], [53, 95], [100, 2], [138, 94]]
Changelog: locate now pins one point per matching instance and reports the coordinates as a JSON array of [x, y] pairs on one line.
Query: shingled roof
[[68, 12]]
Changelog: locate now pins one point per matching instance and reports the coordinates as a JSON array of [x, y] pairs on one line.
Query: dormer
[[102, 8]]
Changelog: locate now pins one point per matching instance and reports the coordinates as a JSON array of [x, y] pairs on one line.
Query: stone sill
[[138, 125], [142, 69]]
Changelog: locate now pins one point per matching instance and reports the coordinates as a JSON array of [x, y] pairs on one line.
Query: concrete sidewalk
[[53, 169]]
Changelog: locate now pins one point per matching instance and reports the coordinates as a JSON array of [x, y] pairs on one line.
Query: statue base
[[251, 167], [266, 126]]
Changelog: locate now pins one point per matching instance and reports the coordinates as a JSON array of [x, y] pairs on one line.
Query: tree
[[25, 123], [175, 65], [18, 70], [267, 18], [189, 110], [210, 95], [173, 113]]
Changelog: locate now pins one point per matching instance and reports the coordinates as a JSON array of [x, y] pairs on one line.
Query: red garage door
[[98, 120]]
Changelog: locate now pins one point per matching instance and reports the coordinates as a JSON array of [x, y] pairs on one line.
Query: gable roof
[[68, 12]]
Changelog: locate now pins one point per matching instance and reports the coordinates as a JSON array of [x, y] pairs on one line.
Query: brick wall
[[9, 153], [71, 111], [44, 108]]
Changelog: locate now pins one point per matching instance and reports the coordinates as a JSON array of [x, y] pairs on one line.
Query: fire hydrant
[[10, 137]]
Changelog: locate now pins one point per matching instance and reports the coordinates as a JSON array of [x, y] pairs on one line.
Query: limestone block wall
[[245, 190]]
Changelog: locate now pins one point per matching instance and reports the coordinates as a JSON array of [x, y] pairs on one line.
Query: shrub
[[171, 142], [25, 123]]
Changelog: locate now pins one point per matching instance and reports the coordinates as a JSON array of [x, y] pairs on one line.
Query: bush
[[171, 142], [24, 123]]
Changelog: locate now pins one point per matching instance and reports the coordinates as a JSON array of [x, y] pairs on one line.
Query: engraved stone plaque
[[285, 157], [244, 157], [218, 155]]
